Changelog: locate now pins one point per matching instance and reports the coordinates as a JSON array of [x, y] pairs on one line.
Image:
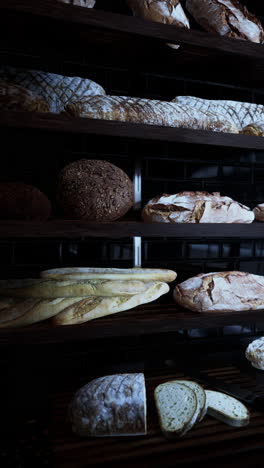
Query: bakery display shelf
[[144, 320], [87, 19], [62, 123], [209, 443], [79, 229]]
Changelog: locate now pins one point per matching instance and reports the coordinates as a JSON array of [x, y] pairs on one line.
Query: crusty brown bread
[[16, 98], [94, 190], [255, 129], [226, 17], [152, 112], [226, 291], [196, 207], [23, 201], [259, 212]]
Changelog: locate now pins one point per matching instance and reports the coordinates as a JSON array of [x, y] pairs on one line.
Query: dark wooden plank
[[61, 123], [135, 26], [144, 320], [78, 229]]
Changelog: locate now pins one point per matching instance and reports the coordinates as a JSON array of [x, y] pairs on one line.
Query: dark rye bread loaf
[[94, 190], [22, 201]]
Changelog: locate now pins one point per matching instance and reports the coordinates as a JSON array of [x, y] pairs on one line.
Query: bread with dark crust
[[23, 201], [94, 190], [17, 98]]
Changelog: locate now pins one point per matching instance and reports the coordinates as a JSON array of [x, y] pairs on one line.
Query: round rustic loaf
[[94, 190], [22, 201], [14, 97], [255, 353]]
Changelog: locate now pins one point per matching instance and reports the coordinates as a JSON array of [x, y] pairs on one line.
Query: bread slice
[[227, 409], [177, 408], [142, 274], [200, 395], [49, 288]]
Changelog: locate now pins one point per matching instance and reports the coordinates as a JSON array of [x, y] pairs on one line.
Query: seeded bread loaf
[[142, 274], [48, 288], [152, 112], [240, 114], [92, 307], [227, 409], [114, 405], [259, 212], [94, 190], [17, 98], [56, 90], [255, 353], [226, 17], [23, 201], [196, 207], [225, 291]]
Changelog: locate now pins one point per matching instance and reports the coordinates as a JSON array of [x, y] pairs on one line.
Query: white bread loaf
[[93, 307], [147, 111], [259, 212], [82, 3], [142, 274], [177, 408], [48, 288], [255, 129], [160, 11], [221, 292], [227, 18], [57, 90], [240, 114], [18, 312], [196, 207], [227, 409], [255, 353], [114, 405], [16, 98]]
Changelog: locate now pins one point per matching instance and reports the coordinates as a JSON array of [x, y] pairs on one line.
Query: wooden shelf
[[61, 123], [145, 320], [105, 21], [72, 229]]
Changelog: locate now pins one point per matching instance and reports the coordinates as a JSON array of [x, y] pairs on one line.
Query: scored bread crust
[[259, 212], [218, 406], [17, 98], [254, 129], [185, 392], [196, 207], [113, 405], [91, 308], [227, 18], [148, 111], [255, 353], [49, 288], [226, 291], [80, 273]]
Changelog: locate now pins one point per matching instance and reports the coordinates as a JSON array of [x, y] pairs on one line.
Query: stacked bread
[[77, 295]]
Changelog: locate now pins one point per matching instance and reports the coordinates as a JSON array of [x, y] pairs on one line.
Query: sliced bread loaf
[[200, 395], [177, 408], [227, 409]]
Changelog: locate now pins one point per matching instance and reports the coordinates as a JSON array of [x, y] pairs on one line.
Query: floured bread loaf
[[92, 307], [196, 207], [142, 274], [255, 353], [255, 129], [48, 288], [82, 3], [225, 291], [240, 114], [259, 212], [152, 112], [56, 90], [16, 98], [227, 18], [161, 11], [18, 312], [114, 405]]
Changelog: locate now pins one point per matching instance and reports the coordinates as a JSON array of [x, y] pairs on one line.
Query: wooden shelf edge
[[144, 320], [64, 229], [62, 123], [127, 24]]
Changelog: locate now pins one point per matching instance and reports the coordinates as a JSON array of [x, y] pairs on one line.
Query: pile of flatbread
[[76, 295]]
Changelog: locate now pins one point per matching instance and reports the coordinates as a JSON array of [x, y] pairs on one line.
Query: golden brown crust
[[16, 98]]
